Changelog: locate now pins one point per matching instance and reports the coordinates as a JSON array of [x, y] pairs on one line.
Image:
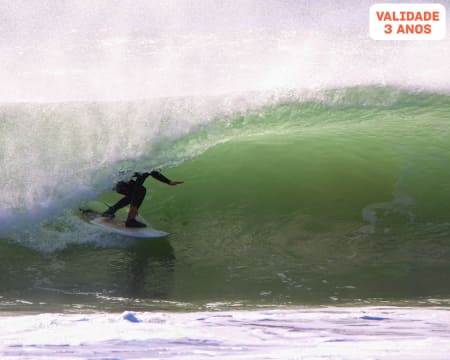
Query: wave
[[347, 155], [306, 197]]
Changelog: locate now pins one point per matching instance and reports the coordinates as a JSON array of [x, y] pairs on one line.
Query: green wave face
[[316, 200]]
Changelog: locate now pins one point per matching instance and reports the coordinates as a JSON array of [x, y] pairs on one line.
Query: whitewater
[[313, 221]]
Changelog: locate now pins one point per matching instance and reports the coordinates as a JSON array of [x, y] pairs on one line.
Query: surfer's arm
[[140, 178], [158, 176]]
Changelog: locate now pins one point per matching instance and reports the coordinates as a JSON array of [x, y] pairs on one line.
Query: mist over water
[[59, 51]]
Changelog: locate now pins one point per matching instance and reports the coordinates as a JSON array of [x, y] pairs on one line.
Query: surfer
[[135, 192]]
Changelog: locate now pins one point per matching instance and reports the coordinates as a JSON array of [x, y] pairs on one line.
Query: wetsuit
[[134, 191]]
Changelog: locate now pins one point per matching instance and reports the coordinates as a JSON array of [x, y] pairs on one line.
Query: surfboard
[[118, 227], [92, 213]]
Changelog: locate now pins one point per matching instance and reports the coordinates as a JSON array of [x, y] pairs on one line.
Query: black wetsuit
[[134, 190]]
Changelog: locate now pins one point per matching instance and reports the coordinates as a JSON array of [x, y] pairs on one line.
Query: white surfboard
[[118, 227], [92, 213]]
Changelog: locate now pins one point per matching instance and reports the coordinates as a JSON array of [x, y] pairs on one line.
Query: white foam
[[322, 333], [56, 156]]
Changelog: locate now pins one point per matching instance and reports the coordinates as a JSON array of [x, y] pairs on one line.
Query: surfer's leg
[[136, 201], [118, 205], [138, 196]]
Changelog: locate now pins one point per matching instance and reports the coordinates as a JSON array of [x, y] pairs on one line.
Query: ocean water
[[315, 160], [338, 198]]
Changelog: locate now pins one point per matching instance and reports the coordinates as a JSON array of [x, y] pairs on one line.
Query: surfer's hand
[[173, 183]]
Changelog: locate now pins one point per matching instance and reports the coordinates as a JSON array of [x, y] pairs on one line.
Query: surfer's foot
[[134, 224], [109, 213]]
